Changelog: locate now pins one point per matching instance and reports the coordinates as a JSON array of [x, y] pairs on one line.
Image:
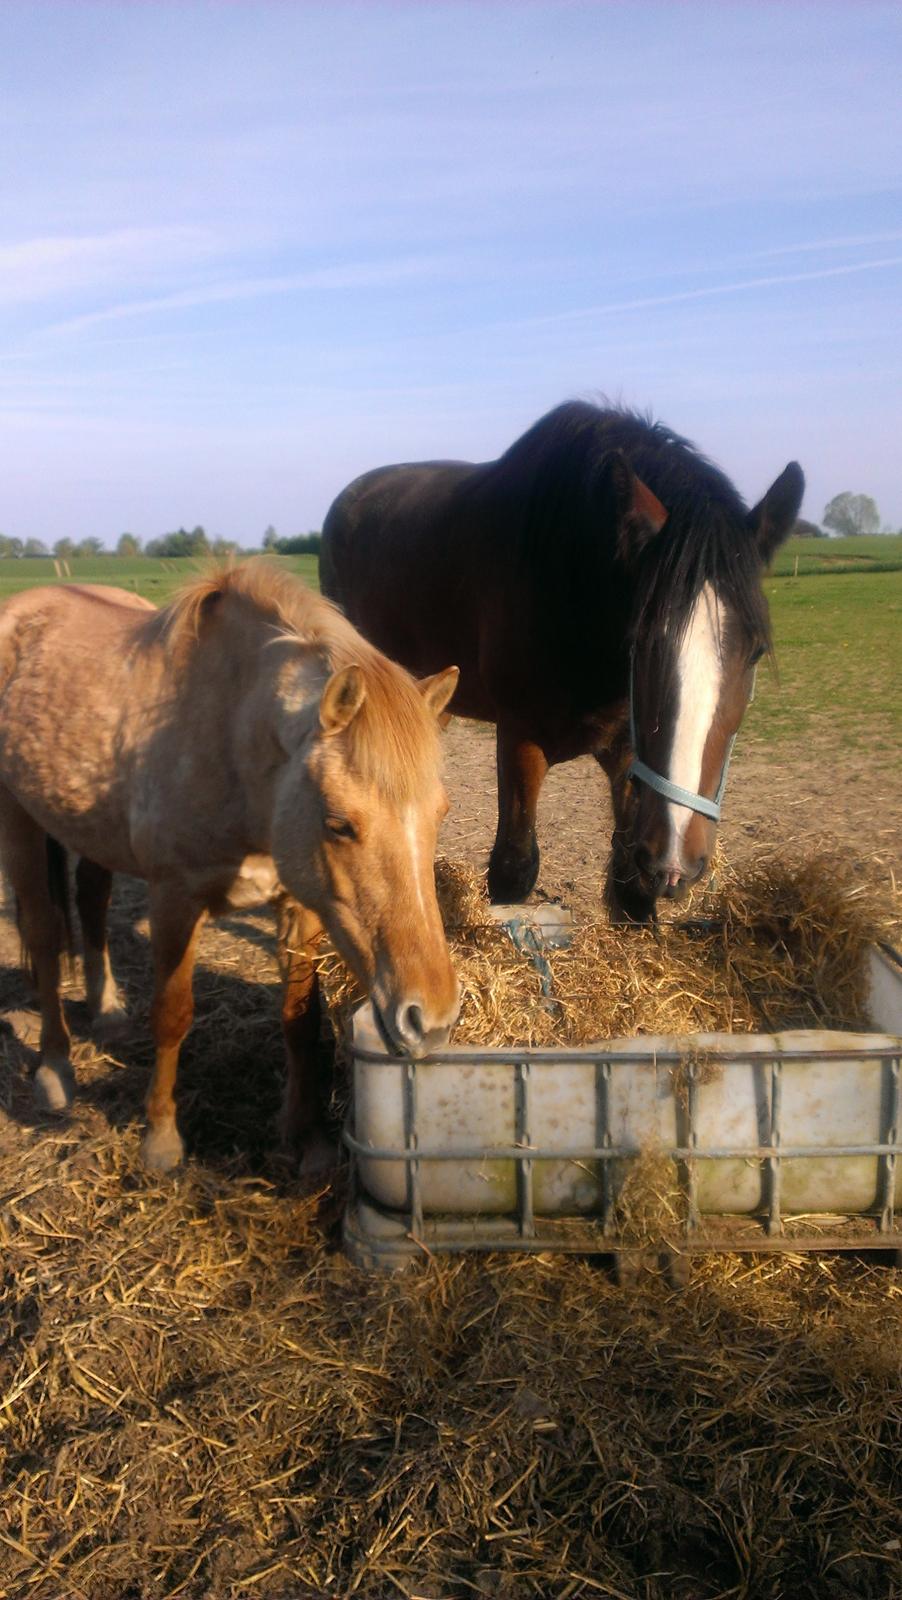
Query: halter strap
[[673, 791]]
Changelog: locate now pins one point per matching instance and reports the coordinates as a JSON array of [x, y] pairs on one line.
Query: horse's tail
[[58, 887]]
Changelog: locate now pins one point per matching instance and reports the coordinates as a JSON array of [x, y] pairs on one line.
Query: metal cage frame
[[375, 1236]]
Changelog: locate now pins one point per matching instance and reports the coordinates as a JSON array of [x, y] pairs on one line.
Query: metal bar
[[888, 1174], [591, 1243], [603, 1073], [490, 1056], [692, 1141], [411, 1154], [774, 1223], [585, 1235], [505, 1152], [525, 1209]]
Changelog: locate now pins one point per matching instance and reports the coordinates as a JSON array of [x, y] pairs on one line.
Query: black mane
[[555, 473]]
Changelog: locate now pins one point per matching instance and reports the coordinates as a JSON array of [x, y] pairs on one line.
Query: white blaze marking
[[413, 839], [699, 675]]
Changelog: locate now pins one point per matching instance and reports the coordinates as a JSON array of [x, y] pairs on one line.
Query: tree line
[[847, 515], [183, 542]]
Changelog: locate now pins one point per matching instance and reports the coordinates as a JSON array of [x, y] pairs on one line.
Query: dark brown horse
[[600, 552]]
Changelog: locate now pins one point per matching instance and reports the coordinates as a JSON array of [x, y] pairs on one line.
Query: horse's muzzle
[[663, 880], [405, 1032]]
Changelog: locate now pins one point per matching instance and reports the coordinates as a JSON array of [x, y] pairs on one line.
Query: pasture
[[200, 1397], [838, 637], [144, 575]]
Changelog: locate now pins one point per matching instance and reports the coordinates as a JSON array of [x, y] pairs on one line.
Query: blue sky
[[250, 250]]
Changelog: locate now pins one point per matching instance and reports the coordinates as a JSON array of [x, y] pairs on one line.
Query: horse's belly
[[101, 835], [223, 888], [71, 801]]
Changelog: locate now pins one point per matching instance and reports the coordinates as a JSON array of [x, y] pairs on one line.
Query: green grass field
[[838, 640], [839, 664], [882, 553], [155, 580]]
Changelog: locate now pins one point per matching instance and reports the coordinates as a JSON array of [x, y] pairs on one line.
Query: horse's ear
[[342, 698], [437, 692], [638, 513], [772, 518]]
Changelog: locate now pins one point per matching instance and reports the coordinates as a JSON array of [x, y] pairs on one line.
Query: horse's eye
[[755, 656], [341, 828]]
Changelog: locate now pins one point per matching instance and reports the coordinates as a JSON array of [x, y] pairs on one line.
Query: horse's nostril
[[410, 1024]]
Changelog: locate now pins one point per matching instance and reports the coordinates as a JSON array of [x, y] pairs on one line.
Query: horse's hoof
[[54, 1086], [110, 1024], [512, 877], [162, 1149]]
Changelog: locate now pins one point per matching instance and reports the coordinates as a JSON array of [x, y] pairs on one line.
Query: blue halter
[[673, 791]]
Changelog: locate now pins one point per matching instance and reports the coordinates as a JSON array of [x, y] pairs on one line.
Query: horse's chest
[[584, 734]]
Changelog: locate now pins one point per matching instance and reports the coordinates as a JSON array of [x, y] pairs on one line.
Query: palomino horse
[[243, 742], [600, 586]]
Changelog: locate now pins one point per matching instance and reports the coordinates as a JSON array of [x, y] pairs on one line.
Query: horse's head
[[701, 625], [358, 805]]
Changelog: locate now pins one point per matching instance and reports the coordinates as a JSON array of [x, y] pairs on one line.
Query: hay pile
[[203, 1399], [781, 947], [200, 1398]]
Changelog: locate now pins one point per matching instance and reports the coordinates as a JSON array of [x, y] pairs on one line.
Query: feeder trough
[[786, 1141]]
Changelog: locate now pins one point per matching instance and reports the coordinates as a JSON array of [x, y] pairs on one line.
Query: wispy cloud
[[846, 241], [46, 267], [350, 275], [713, 290]]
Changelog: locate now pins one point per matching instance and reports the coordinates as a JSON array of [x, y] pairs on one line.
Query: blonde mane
[[393, 740]]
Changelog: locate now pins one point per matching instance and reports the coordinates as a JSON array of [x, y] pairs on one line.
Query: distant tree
[[808, 530], [301, 544], [270, 539], [128, 545], [35, 547], [4, 546], [14, 547], [88, 547], [180, 543], [223, 548], [852, 515], [64, 549]]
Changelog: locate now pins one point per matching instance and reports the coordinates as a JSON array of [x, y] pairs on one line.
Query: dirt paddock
[[200, 1397]]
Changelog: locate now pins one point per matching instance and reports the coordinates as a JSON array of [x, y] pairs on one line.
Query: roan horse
[[600, 586], [243, 743]]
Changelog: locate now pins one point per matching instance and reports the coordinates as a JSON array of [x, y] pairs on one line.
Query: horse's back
[[394, 557], [391, 512], [112, 595], [57, 613]]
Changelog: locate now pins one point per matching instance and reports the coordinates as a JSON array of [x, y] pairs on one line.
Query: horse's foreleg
[[93, 887], [301, 1130], [625, 897], [24, 849], [514, 862], [174, 924]]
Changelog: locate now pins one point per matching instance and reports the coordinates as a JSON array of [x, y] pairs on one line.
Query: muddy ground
[[802, 800]]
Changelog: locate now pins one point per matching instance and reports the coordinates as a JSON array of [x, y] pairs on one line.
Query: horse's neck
[[277, 683], [223, 717]]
